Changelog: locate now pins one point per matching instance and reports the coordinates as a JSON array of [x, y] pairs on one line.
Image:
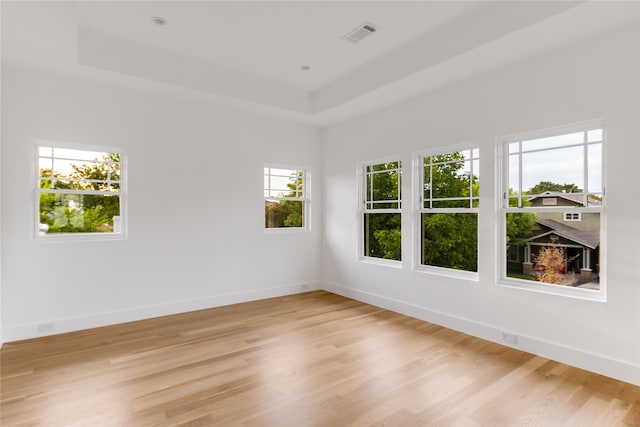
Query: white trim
[[554, 131], [549, 288], [381, 261], [286, 230], [473, 276], [614, 368], [70, 324]]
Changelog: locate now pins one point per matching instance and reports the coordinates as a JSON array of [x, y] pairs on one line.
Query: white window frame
[[503, 208], [304, 197], [418, 168], [365, 207], [121, 234]]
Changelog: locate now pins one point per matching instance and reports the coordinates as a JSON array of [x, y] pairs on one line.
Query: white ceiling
[[251, 53]]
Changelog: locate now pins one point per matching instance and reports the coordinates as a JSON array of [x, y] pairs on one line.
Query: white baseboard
[[618, 369], [59, 326], [604, 365]]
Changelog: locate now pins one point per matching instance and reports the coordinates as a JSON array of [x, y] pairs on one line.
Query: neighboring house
[[577, 232]]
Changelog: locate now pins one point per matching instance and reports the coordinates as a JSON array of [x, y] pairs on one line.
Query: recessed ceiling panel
[[272, 39]]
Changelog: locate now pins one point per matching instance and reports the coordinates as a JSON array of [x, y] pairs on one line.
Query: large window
[[553, 208], [381, 207], [448, 212], [79, 192], [285, 198]]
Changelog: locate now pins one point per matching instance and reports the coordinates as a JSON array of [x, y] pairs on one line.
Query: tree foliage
[[543, 186], [551, 261]]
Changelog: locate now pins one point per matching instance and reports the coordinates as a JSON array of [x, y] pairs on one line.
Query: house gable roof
[[590, 239], [576, 198]]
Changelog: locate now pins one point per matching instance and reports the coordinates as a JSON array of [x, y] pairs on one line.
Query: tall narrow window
[[553, 208], [381, 218], [79, 191], [450, 193], [285, 198]]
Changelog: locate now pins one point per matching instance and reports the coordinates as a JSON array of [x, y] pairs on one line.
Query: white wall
[[597, 79], [195, 213]]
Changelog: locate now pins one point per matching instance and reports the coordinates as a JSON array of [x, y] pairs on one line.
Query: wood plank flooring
[[313, 359]]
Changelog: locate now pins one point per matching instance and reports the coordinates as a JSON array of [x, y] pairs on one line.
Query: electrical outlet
[[46, 327], [510, 338], [305, 287]]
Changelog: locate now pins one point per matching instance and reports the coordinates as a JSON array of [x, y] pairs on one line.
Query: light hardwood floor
[[314, 359]]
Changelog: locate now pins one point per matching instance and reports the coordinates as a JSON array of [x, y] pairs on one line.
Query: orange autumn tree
[[552, 260]]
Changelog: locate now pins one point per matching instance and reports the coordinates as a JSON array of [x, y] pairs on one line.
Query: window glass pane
[[456, 203], [114, 171], [595, 168], [514, 179], [594, 135], [553, 141], [45, 151], [283, 213], [450, 176], [70, 167], [450, 180], [78, 170], [476, 178], [45, 166], [450, 240], [382, 237], [282, 185], [382, 186], [514, 147], [563, 167], [385, 185], [75, 213], [553, 251], [281, 172], [288, 185], [68, 153]]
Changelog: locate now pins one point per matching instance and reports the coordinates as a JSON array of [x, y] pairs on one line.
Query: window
[[572, 216], [448, 210], [381, 207], [286, 200], [79, 192], [545, 175]]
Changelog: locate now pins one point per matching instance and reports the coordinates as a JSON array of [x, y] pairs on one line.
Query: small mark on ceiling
[[159, 20]]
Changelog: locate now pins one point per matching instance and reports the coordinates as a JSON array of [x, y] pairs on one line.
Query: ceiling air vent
[[360, 32]]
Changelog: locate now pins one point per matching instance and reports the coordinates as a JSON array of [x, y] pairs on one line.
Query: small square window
[[572, 216]]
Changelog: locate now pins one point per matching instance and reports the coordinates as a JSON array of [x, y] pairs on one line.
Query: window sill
[[448, 272], [79, 237], [286, 230], [381, 261], [557, 290]]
